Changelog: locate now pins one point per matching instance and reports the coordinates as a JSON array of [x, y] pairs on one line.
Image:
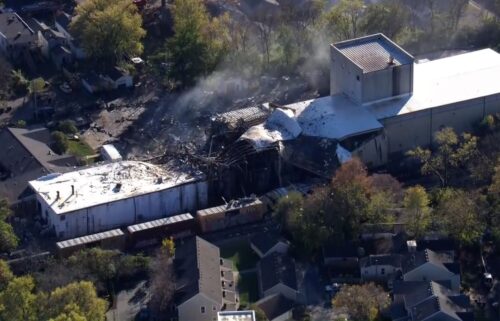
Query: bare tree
[[162, 279]]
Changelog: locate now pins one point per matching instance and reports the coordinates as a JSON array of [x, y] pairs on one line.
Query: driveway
[[310, 285], [129, 303]]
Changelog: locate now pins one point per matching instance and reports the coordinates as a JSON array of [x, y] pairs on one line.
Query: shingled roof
[[26, 156], [277, 268], [197, 266], [442, 260]]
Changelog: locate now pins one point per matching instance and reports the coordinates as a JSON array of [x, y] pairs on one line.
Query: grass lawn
[[241, 254], [247, 287], [79, 148]]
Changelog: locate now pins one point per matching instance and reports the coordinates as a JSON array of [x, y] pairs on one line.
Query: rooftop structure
[[110, 153], [276, 307], [236, 316], [107, 183], [446, 81], [442, 260], [373, 53]]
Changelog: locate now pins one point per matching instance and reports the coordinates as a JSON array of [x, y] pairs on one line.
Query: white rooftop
[[106, 183], [236, 316], [446, 81], [436, 83], [334, 117]]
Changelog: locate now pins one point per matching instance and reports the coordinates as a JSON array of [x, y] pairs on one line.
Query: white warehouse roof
[[106, 183], [446, 81]]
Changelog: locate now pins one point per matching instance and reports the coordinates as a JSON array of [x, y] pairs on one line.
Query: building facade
[[114, 195]]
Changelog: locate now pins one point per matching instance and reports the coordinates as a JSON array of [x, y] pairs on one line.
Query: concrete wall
[[191, 309], [430, 272], [345, 76], [381, 84], [374, 152], [411, 130], [173, 201]]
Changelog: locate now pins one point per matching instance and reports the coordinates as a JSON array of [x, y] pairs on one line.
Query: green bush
[[21, 123], [68, 127], [60, 142]]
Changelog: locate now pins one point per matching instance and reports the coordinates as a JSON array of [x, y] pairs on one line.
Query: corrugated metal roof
[[160, 222], [89, 238], [373, 53]]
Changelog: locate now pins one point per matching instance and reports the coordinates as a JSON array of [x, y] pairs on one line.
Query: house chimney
[[58, 195], [72, 189]]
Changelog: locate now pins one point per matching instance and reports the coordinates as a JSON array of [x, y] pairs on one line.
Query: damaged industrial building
[[382, 103]]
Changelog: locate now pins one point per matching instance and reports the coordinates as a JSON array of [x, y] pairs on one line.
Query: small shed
[[110, 153]]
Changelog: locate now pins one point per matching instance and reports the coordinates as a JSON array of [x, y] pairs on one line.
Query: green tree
[[71, 312], [458, 215], [289, 210], [17, 301], [362, 302], [68, 127], [416, 203], [168, 245], [109, 29], [259, 314], [78, 299], [388, 17], [452, 152], [8, 239], [345, 18], [60, 142], [6, 275], [199, 42]]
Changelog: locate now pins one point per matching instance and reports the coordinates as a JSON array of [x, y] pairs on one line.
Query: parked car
[[65, 88]]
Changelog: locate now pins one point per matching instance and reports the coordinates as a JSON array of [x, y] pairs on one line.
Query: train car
[[152, 232], [110, 240], [238, 212]]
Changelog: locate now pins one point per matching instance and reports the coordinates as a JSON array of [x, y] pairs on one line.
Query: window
[[63, 217], [357, 78], [202, 309], [214, 307], [382, 271]]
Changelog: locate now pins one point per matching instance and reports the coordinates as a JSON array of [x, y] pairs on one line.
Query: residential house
[[204, 281], [342, 255], [62, 22], [118, 78], [266, 243], [16, 37], [276, 307], [429, 301], [26, 155], [61, 56], [383, 267], [115, 78], [277, 275], [428, 265]]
